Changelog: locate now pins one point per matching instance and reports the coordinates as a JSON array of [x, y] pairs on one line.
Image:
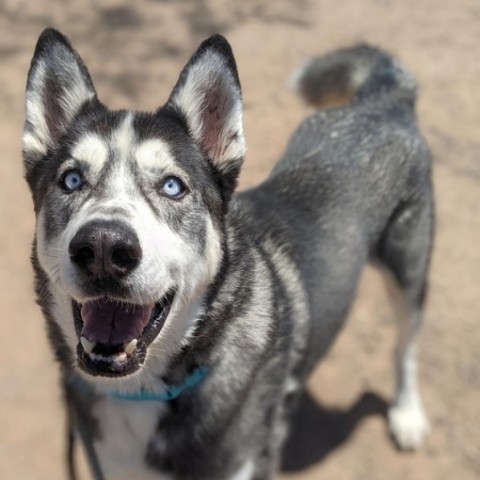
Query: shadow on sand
[[316, 431]]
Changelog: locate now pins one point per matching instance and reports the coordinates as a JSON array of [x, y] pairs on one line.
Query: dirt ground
[[134, 51]]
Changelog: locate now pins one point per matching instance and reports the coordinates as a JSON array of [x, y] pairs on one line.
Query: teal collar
[[172, 391]]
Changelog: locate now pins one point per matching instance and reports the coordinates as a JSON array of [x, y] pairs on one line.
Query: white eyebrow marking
[[91, 149], [154, 153]]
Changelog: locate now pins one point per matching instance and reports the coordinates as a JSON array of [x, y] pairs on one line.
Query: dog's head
[[130, 206]]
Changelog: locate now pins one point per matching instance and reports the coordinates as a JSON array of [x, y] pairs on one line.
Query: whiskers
[[52, 280], [54, 253], [53, 273]]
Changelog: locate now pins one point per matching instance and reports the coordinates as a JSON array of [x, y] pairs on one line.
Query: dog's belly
[[126, 429]]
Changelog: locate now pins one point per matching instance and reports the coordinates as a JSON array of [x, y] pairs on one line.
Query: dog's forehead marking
[[123, 138], [91, 149], [122, 141], [154, 153]]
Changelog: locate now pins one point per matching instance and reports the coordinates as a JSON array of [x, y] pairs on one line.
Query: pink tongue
[[113, 323]]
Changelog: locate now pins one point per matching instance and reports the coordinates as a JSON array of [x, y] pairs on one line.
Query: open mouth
[[114, 335]]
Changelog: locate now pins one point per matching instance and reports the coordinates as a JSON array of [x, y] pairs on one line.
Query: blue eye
[[173, 187], [72, 180]]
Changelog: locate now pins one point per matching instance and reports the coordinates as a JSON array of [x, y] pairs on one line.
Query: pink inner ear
[[54, 114], [216, 109]]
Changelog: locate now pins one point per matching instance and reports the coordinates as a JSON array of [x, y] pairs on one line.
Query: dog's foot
[[408, 425]]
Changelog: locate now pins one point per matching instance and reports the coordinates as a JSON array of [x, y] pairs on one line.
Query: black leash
[[78, 428], [72, 473]]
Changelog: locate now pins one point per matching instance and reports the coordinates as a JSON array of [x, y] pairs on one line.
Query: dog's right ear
[[58, 87], [209, 99]]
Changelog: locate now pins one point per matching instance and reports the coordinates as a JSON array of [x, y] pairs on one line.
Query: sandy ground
[[135, 51]]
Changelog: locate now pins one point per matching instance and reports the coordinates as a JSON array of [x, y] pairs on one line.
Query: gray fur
[[353, 184]]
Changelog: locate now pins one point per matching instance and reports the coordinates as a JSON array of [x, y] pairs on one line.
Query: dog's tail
[[355, 74]]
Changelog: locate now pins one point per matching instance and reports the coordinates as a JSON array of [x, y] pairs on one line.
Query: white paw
[[408, 425]]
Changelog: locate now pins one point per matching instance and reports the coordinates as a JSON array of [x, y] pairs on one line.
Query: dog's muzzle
[[113, 331]]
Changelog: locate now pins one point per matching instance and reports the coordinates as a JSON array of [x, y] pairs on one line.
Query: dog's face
[[130, 206]]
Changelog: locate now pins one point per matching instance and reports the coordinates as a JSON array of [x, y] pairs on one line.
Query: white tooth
[[87, 345], [130, 346], [120, 357]]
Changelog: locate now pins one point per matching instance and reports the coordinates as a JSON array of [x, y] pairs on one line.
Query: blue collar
[[172, 392]]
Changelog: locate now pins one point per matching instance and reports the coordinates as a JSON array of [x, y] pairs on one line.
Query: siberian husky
[[186, 316]]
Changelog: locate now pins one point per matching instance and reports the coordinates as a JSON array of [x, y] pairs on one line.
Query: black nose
[[104, 249]]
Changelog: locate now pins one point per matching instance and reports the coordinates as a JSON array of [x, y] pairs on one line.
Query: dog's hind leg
[[405, 251]]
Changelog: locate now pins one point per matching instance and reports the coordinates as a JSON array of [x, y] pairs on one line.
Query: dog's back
[[353, 184]]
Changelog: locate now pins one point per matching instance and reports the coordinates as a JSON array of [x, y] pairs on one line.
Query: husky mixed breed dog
[[186, 316]]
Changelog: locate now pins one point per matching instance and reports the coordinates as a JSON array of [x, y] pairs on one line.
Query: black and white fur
[[263, 279]]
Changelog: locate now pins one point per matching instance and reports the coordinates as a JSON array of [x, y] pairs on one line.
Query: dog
[[186, 316]]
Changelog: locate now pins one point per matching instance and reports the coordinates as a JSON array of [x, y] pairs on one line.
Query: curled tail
[[355, 73]]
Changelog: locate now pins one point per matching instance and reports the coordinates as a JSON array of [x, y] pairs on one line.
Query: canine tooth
[[130, 346], [87, 344]]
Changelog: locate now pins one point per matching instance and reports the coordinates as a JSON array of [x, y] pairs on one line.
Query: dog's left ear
[[58, 86], [209, 98]]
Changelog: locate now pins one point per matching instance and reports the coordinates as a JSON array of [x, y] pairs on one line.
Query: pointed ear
[[58, 86], [208, 96]]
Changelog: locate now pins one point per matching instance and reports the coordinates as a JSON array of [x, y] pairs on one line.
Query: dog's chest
[[126, 429]]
